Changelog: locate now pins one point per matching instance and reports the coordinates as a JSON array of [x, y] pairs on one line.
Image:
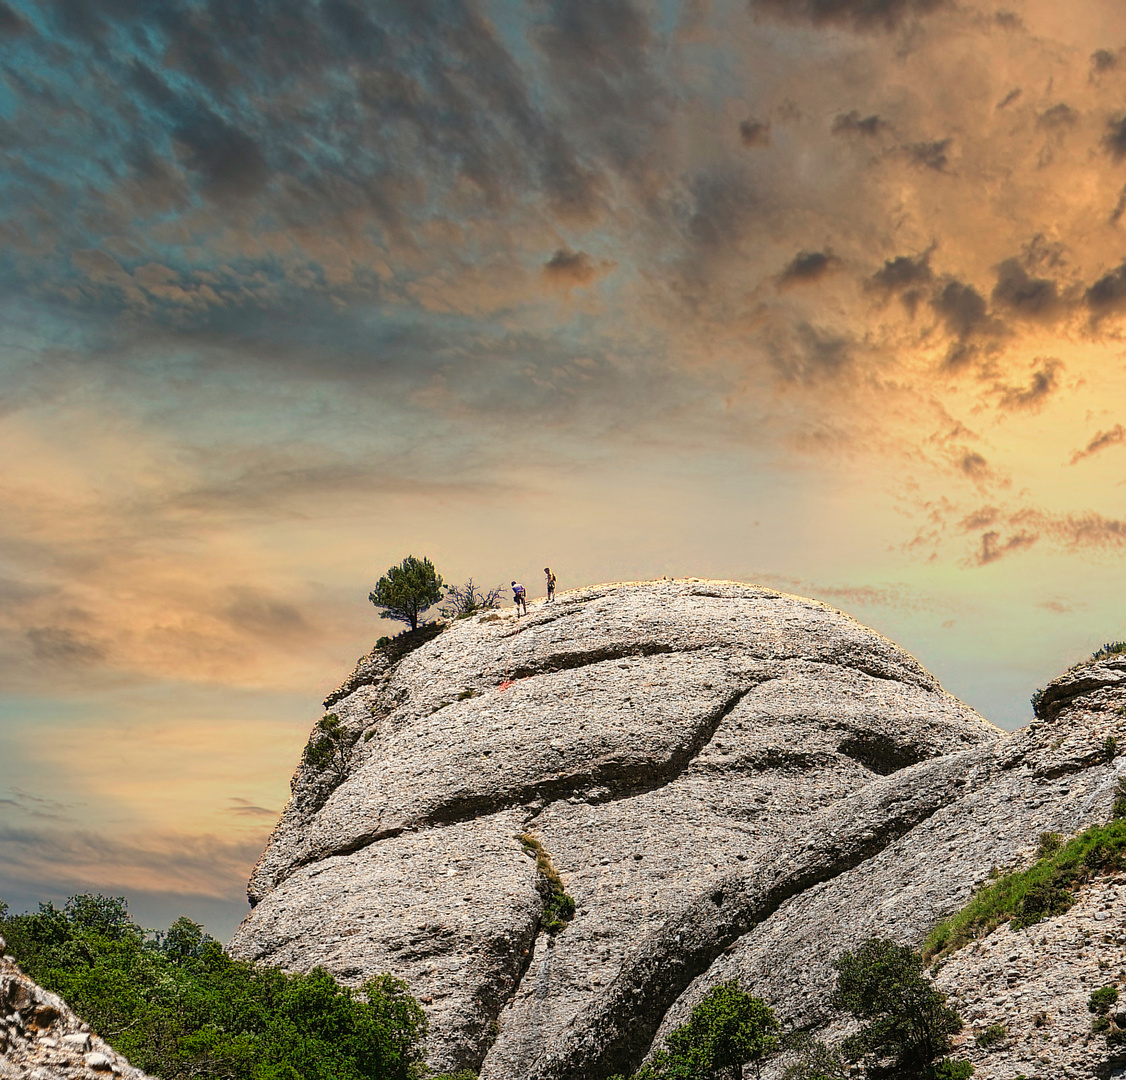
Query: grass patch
[[558, 907], [1046, 888]]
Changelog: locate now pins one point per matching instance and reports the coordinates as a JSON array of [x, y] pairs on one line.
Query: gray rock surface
[[42, 1039], [693, 755]]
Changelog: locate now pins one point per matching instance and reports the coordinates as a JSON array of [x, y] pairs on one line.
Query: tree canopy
[[407, 590], [178, 1007]]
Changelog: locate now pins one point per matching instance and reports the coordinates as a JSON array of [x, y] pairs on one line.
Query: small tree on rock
[[407, 590], [908, 1023]]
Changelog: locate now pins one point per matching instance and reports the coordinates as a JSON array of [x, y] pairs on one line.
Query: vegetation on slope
[[1046, 888], [177, 1006]]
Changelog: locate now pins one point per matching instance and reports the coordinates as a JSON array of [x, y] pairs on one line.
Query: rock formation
[[42, 1039], [697, 758]]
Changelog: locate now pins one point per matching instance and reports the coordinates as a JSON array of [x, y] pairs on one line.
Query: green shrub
[[1101, 1000], [178, 1007], [1025, 897], [991, 1035], [907, 1025], [727, 1030], [328, 746]]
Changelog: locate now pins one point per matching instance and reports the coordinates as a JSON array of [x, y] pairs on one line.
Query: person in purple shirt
[[519, 597]]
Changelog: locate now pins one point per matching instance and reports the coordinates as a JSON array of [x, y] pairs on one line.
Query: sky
[[828, 295]]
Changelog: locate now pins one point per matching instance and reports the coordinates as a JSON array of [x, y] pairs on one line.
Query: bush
[[818, 1062], [908, 1024], [465, 600], [727, 1030], [1105, 652], [1101, 1000], [1046, 888], [328, 746], [178, 1007], [407, 590], [991, 1035], [558, 907]]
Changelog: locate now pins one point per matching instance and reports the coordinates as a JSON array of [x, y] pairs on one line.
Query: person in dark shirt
[[550, 584]]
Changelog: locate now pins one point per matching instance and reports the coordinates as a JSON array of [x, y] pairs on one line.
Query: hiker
[[519, 597], [550, 584]]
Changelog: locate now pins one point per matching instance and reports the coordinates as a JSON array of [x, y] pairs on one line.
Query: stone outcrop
[[696, 757], [42, 1039]]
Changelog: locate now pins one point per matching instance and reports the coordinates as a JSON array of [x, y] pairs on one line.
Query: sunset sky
[[828, 295]]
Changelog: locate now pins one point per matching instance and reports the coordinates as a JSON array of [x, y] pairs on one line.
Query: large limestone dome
[[730, 782]]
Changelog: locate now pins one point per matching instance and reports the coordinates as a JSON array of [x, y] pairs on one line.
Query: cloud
[[11, 23], [1100, 441], [1103, 60], [993, 547], [1058, 116], [1044, 383], [1063, 607], [204, 865], [1107, 296], [1115, 138], [854, 124], [568, 269], [905, 276], [1009, 98], [962, 308], [1025, 296], [807, 267], [245, 808], [928, 155], [754, 132], [860, 15], [59, 645]]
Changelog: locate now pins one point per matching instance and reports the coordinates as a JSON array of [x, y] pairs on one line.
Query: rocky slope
[[699, 759], [41, 1039]]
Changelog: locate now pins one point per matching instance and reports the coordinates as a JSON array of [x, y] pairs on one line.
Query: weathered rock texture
[[41, 1039], [730, 780]]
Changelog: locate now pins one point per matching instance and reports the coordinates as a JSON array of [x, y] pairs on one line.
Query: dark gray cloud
[[962, 308], [570, 268], [807, 267], [1107, 296], [1025, 296], [863, 15], [12, 24], [853, 123], [907, 276], [754, 132], [1009, 98], [1115, 138], [1103, 60], [229, 162], [928, 155]]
